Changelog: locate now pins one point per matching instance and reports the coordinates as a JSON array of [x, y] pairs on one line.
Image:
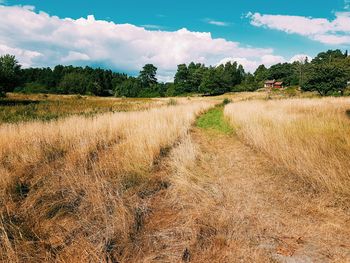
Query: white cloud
[[38, 39], [334, 32], [75, 56], [216, 23], [26, 57], [250, 65]]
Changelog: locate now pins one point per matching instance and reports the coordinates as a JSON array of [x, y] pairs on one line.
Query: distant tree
[[181, 79], [129, 88], [75, 83], [170, 89], [147, 75], [58, 73], [300, 67], [326, 78], [195, 75], [9, 73], [212, 83], [329, 56], [261, 73], [285, 72], [248, 84]]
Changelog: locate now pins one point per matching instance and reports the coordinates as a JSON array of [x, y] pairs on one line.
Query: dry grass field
[[179, 180], [69, 187], [28, 107], [308, 137]]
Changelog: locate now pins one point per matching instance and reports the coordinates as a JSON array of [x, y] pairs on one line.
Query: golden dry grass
[[147, 187], [28, 107], [70, 188], [227, 203], [308, 137]]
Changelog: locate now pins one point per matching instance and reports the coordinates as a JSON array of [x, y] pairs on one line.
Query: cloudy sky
[[125, 35]]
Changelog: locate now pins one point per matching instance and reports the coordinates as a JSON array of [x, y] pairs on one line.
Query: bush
[[32, 87], [347, 91], [226, 101]]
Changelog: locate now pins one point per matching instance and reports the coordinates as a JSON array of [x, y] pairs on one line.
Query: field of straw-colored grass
[[70, 189], [308, 137], [18, 107]]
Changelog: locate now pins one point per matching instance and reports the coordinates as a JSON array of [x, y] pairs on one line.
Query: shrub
[[226, 101]]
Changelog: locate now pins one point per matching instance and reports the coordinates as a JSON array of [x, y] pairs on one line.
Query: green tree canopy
[[147, 75], [76, 83], [326, 78], [9, 73], [261, 73]]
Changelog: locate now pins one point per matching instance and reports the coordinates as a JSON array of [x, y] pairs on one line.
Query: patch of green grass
[[214, 120]]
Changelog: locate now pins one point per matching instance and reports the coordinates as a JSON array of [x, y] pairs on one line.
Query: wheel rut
[[227, 203]]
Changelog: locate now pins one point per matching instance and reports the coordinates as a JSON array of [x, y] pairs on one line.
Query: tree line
[[328, 74]]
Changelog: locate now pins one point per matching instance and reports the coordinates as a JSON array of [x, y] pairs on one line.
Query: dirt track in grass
[[228, 203]]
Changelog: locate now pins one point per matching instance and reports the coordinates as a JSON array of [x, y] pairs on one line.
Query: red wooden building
[[273, 84], [278, 85]]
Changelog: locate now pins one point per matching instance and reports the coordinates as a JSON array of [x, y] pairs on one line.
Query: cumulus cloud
[[26, 57], [39, 39], [250, 65], [334, 32]]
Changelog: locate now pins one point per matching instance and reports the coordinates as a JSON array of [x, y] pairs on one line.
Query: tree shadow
[[9, 102]]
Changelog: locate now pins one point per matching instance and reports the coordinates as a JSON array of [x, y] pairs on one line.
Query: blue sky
[[242, 30]]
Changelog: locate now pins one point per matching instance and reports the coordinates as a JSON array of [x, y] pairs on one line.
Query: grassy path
[[227, 203], [214, 121]]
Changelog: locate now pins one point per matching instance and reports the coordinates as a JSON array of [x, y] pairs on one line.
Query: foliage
[[328, 73], [226, 101], [75, 83], [128, 88], [148, 75], [326, 79], [188, 79], [61, 80], [9, 73]]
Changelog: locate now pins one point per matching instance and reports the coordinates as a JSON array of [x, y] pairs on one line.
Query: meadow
[[68, 186], [253, 178], [309, 137], [17, 107]]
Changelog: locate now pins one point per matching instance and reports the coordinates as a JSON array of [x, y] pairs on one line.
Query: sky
[[125, 35]]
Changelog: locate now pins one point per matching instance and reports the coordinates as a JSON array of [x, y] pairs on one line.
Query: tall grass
[[309, 137], [22, 107], [69, 188]]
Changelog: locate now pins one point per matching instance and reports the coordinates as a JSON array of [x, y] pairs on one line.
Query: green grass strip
[[214, 120]]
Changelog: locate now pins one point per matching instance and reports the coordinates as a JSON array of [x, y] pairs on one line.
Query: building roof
[[269, 81], [278, 83]]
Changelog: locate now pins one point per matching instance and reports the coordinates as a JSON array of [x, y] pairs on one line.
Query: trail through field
[[228, 203]]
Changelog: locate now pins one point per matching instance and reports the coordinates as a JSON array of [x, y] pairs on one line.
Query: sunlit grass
[[70, 186], [309, 137], [214, 120], [22, 107]]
